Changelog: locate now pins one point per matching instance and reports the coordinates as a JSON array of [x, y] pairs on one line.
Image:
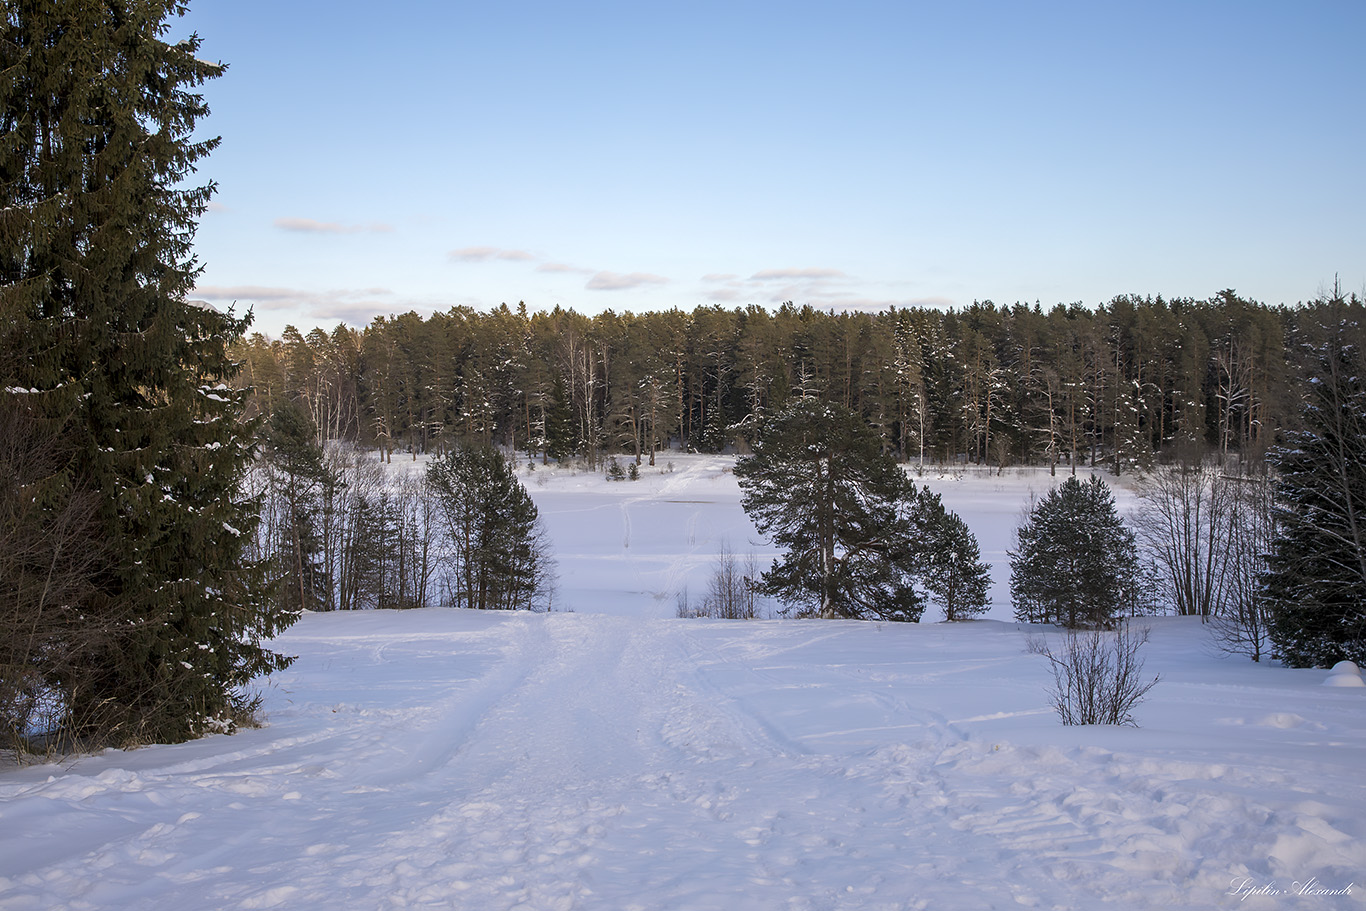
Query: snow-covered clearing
[[616, 758], [631, 547]]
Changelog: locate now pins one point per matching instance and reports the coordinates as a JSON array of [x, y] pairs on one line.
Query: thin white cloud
[[313, 226], [788, 275], [332, 304], [614, 281], [361, 313], [488, 254], [563, 268], [264, 297], [719, 277]]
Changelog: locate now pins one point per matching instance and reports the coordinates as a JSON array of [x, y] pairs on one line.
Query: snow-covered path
[[446, 759]]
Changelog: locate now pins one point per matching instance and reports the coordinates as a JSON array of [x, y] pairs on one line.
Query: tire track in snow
[[610, 748], [593, 763]]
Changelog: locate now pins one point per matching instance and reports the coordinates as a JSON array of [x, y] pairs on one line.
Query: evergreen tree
[[951, 566], [370, 552], [820, 485], [97, 112], [1074, 562], [302, 484], [1315, 584], [498, 557], [560, 442]]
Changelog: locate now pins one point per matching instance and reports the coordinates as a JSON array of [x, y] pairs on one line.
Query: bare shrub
[[1243, 625], [1097, 676], [50, 619], [731, 595], [1185, 526], [731, 592], [683, 608]]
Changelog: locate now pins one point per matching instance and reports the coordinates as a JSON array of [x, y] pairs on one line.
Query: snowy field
[[631, 547], [616, 758]]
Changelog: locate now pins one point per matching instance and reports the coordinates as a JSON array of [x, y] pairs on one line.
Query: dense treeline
[[985, 384]]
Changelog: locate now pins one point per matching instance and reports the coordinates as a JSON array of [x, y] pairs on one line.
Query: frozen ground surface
[[598, 760]]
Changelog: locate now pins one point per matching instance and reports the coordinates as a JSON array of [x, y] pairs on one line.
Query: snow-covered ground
[[617, 758]]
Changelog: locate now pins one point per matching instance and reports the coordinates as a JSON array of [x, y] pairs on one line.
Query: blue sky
[[641, 156]]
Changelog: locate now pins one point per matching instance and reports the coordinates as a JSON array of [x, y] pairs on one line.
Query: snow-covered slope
[[445, 759], [593, 760]]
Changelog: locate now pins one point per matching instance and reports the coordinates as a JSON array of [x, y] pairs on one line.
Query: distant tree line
[[997, 385]]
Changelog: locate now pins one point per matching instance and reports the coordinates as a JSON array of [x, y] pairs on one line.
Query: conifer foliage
[[1315, 585], [858, 536], [951, 562], [1075, 563], [302, 482], [497, 556], [97, 111]]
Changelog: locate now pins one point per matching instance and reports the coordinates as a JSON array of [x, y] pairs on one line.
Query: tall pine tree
[[820, 486], [97, 112]]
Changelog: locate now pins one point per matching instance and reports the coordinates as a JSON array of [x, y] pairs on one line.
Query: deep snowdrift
[[447, 759]]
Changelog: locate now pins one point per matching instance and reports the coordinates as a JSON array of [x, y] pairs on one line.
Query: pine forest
[[1116, 386]]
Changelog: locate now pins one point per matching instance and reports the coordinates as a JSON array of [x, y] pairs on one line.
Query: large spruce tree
[[97, 112], [1315, 586]]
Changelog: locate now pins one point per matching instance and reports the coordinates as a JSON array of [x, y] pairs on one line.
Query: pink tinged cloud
[[489, 254], [313, 226], [269, 298], [613, 281], [787, 275], [316, 303]]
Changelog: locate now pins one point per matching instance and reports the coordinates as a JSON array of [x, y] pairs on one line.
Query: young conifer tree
[[97, 112], [1075, 563], [302, 483], [951, 564], [497, 554]]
